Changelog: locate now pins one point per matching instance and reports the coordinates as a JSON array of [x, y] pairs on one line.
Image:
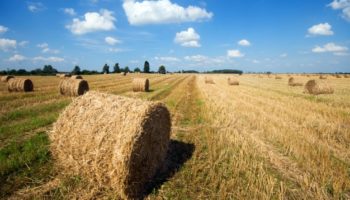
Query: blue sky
[[251, 35]]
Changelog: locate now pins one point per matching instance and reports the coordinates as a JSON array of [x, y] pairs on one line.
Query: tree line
[[50, 70]]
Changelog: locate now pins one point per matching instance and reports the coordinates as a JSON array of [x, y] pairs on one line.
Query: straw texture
[[20, 85], [73, 87], [140, 85], [113, 141]]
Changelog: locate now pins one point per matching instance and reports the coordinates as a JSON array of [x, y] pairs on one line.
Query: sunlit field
[[261, 139]]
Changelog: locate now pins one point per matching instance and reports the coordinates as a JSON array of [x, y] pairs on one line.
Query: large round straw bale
[[208, 80], [73, 87], [140, 85], [6, 78], [76, 77], [318, 87], [20, 85], [291, 82], [232, 81], [113, 141]]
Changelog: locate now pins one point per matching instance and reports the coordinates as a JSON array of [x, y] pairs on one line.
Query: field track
[[259, 140]]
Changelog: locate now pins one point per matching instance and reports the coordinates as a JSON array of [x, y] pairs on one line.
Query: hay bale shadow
[[178, 153]]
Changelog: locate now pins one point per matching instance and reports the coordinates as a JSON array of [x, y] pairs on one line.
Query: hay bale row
[[73, 87], [209, 80], [115, 142], [232, 81], [140, 85], [5, 79], [291, 82], [318, 87], [20, 85]]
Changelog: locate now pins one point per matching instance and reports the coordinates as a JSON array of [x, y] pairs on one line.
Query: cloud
[[112, 41], [343, 5], [45, 48], [244, 42], [339, 4], [48, 59], [321, 29], [233, 53], [69, 11], [188, 38], [23, 43], [35, 6], [167, 59], [7, 44], [16, 58], [116, 50], [341, 54], [92, 22], [284, 55], [162, 12], [3, 29], [330, 47], [196, 58], [201, 60]]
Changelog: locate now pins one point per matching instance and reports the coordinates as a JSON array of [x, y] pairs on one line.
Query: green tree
[[126, 69], [137, 69], [162, 70], [48, 69], [105, 69], [146, 67], [116, 68], [76, 70]]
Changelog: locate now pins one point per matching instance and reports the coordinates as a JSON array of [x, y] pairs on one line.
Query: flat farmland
[[261, 139]]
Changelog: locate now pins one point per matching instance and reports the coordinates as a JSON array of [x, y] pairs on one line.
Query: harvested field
[[261, 140]]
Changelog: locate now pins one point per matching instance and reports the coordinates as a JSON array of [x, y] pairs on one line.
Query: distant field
[[260, 140]]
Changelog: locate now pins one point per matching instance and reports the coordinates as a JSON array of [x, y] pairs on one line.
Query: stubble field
[[260, 140]]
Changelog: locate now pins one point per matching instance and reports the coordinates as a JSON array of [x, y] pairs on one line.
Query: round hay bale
[[64, 76], [113, 141], [209, 80], [346, 76], [20, 85], [337, 76], [323, 77], [278, 77], [291, 82], [232, 81], [5, 79], [73, 87], [76, 77], [140, 85], [318, 87]]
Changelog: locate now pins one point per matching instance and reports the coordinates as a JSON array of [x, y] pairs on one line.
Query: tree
[[76, 70], [146, 67], [116, 68], [48, 69], [137, 69], [126, 69], [162, 70], [105, 69]]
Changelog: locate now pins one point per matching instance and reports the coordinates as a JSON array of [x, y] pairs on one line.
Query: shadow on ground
[[178, 153]]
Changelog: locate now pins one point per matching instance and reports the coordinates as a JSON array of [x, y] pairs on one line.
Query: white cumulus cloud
[[329, 47], [112, 41], [35, 6], [92, 22], [45, 48], [162, 12], [17, 57], [69, 11], [48, 59], [244, 42], [343, 5], [321, 29], [234, 53], [188, 38], [7, 44], [3, 29], [167, 59]]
